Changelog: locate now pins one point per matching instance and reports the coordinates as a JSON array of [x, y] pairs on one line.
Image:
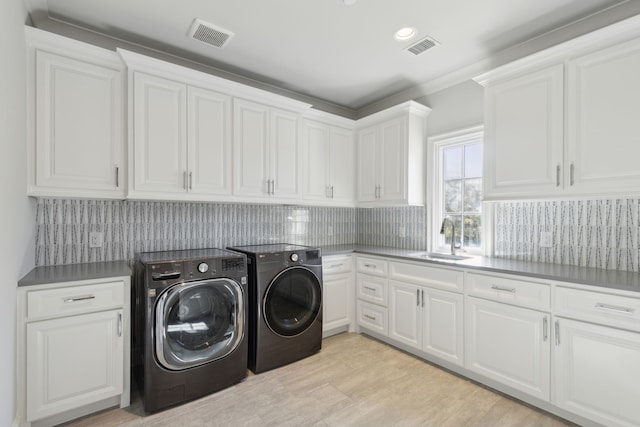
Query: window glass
[[473, 160], [453, 162]]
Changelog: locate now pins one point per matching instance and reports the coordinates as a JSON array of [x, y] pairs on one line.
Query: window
[[457, 190]]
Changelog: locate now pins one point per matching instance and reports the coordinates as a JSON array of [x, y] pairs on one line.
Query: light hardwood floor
[[353, 381]]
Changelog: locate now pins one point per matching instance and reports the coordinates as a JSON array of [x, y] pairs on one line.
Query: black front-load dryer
[[285, 303], [190, 321]]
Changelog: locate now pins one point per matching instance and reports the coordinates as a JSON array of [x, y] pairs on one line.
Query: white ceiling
[[345, 55]]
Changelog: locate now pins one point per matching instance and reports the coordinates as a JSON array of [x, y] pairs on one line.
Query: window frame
[[436, 144]]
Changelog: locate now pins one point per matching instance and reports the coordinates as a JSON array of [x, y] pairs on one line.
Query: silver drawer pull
[[82, 298], [500, 288], [366, 316], [370, 265], [119, 324], [335, 266], [369, 288], [608, 307]]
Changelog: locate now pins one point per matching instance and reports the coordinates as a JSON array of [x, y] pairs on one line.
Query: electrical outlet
[[330, 230], [95, 239], [546, 239], [402, 232]]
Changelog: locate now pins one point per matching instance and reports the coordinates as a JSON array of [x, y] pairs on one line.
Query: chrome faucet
[[453, 234]]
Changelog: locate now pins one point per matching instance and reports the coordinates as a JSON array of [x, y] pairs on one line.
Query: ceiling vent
[[422, 45], [209, 33]]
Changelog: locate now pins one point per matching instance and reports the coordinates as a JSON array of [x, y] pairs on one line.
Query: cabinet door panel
[[367, 164], [316, 161], [251, 149], [336, 300], [73, 361], [597, 372], [79, 132], [405, 313], [342, 166], [393, 160], [160, 134], [209, 142], [284, 154], [524, 135], [443, 325], [603, 116], [508, 344]]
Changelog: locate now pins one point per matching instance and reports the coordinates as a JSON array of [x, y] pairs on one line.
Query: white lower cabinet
[[509, 344], [337, 294], [372, 293], [373, 317], [597, 372]]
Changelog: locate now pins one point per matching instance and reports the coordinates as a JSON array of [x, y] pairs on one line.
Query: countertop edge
[[75, 272]]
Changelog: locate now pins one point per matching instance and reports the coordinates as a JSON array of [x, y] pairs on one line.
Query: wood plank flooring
[[353, 381]]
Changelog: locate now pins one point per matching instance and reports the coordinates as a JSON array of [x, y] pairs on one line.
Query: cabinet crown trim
[[410, 107]]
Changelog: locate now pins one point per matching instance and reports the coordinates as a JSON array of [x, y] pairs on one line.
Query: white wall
[[454, 108], [17, 215]]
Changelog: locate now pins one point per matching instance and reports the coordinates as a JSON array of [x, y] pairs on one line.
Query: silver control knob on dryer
[[203, 267], [294, 257]]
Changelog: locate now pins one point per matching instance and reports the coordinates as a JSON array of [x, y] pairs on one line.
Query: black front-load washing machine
[[190, 320], [285, 303]]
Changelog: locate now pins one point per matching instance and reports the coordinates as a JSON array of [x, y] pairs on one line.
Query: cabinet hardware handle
[[190, 180], [366, 316], [117, 177], [370, 265], [558, 176], [184, 179], [273, 187], [369, 288], [608, 307], [571, 170], [82, 298], [557, 333], [423, 297], [336, 265], [418, 297], [119, 324], [545, 333], [332, 191], [500, 288]]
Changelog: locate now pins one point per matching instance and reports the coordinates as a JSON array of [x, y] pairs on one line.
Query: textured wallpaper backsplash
[[591, 233], [129, 227]]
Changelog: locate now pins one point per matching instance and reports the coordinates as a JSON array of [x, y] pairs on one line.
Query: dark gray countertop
[[74, 272], [611, 279]]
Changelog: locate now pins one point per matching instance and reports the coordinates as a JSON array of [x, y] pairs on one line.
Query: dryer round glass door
[[292, 301], [198, 322]]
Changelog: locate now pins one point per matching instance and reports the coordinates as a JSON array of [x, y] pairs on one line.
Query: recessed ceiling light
[[405, 33]]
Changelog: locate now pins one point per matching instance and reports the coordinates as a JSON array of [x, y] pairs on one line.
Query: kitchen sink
[[438, 256]]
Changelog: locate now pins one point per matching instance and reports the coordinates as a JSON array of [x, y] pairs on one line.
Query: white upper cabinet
[[603, 146], [265, 152], [524, 134], [75, 115], [563, 122], [328, 173], [390, 156]]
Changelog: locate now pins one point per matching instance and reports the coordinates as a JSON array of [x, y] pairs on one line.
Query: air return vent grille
[[423, 45], [209, 33]]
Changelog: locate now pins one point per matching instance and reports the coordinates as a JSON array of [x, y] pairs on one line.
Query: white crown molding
[[329, 118], [410, 107]]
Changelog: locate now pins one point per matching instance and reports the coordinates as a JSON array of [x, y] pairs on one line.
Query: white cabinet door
[[209, 147], [159, 135], [251, 148], [597, 372], [283, 170], [73, 361], [443, 325], [368, 164], [603, 149], [405, 313], [342, 166], [316, 153], [392, 172], [524, 128], [508, 344], [79, 137], [337, 299]]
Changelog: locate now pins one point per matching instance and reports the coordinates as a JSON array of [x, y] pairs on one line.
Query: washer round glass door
[[198, 322], [292, 301]]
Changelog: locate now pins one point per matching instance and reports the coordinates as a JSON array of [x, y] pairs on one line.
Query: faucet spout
[[453, 233]]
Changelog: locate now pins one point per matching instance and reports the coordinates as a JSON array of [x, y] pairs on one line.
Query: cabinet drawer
[[372, 289], [613, 310], [373, 266], [74, 299], [512, 291], [441, 278], [373, 317], [336, 264]]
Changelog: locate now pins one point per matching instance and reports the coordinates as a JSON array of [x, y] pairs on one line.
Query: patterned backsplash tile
[[381, 227], [590, 233]]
